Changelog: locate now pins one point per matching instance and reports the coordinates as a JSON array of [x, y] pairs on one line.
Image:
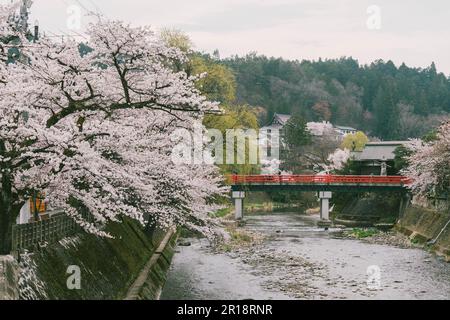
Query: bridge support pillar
[[405, 201], [325, 197], [238, 197]]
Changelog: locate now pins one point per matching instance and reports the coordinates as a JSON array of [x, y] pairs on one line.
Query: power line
[[82, 6], [97, 7]]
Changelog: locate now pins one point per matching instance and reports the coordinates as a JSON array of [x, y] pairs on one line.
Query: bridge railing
[[318, 179]]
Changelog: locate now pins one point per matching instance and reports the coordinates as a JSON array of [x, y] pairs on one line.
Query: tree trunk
[[5, 232], [6, 215], [9, 211]]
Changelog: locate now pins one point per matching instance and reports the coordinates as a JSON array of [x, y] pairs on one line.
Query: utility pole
[[36, 31], [21, 19]]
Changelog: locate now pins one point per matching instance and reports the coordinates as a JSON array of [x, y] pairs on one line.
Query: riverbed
[[298, 260]]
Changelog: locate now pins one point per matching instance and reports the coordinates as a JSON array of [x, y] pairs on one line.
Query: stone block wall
[[9, 278]]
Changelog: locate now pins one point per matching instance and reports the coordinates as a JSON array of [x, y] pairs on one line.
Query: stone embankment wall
[[428, 225], [88, 267], [366, 210], [9, 278]]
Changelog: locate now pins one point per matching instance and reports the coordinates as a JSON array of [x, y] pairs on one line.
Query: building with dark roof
[[377, 158]]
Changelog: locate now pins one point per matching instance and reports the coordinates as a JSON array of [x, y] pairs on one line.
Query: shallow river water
[[298, 260]]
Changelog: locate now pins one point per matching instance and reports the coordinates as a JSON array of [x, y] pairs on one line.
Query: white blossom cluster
[[429, 164], [93, 130], [338, 159], [320, 129]]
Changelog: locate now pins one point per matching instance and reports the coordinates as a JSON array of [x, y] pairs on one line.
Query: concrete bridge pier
[[238, 197], [405, 201], [325, 197]]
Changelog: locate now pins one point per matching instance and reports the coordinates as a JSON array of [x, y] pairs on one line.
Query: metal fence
[[30, 235]]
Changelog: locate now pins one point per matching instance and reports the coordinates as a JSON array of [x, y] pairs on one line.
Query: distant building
[[28, 211], [343, 131], [280, 120], [315, 128], [377, 158]]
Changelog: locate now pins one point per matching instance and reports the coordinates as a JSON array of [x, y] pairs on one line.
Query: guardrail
[[318, 179], [56, 227]]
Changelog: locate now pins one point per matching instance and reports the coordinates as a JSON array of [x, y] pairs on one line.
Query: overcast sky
[[416, 32]]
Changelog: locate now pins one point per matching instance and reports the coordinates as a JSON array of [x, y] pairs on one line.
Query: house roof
[[345, 128], [379, 151], [388, 143], [283, 118]]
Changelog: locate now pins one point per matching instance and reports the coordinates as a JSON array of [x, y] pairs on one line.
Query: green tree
[[295, 136], [355, 142], [401, 162], [430, 136], [218, 83], [296, 133], [235, 117], [177, 38]]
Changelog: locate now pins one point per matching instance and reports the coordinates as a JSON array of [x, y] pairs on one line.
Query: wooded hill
[[381, 99]]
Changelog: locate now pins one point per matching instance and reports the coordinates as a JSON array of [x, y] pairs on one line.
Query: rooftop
[[283, 118], [379, 151], [388, 143], [279, 120], [345, 128]]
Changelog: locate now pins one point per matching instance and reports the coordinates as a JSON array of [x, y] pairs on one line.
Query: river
[[298, 260]]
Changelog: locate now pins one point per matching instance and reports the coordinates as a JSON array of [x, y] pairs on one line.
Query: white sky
[[416, 32]]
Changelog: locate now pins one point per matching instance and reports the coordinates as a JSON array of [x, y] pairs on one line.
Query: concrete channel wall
[[9, 278], [428, 225], [107, 268], [149, 282]]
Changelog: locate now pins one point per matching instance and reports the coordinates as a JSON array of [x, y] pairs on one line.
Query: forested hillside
[[381, 99]]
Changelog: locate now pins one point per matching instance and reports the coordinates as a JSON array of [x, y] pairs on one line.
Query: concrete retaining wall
[[152, 278], [365, 211], [423, 224], [108, 267], [9, 278]]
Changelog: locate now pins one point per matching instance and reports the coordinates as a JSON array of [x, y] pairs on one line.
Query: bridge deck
[[318, 182]]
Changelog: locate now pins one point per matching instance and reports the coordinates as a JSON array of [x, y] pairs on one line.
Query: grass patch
[[221, 213], [361, 233], [187, 233], [238, 239]]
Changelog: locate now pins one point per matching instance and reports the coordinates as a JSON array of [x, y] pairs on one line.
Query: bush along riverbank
[[88, 267]]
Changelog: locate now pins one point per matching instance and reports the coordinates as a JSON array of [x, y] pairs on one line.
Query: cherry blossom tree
[[320, 129], [429, 165], [93, 131], [338, 159]]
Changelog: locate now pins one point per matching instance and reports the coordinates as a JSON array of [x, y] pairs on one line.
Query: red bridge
[[325, 185], [318, 182]]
